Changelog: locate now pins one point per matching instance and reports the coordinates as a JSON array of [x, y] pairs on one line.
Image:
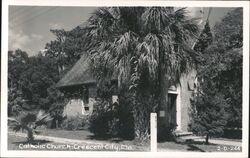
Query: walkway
[[214, 141]]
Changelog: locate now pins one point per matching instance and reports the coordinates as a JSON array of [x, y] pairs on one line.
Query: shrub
[[56, 113], [125, 114], [75, 123], [112, 120], [208, 114], [102, 120], [166, 133]]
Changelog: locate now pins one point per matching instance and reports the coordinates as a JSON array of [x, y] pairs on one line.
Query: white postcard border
[[4, 90]]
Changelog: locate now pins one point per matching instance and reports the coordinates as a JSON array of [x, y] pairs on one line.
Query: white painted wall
[[75, 107]]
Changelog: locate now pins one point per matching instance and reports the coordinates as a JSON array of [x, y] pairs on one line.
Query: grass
[[77, 134], [117, 144], [108, 144], [197, 146], [18, 143], [228, 139], [86, 135]]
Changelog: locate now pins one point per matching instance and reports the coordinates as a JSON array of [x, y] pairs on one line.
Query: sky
[[29, 26]]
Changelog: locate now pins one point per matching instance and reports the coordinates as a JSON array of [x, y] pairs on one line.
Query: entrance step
[[181, 133]]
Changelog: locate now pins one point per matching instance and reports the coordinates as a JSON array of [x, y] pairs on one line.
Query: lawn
[[74, 134], [20, 143], [104, 144], [88, 136], [196, 146], [108, 144]]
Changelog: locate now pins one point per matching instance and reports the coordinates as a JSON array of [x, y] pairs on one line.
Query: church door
[[172, 108]]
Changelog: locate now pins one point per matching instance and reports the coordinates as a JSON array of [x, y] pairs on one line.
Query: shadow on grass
[[192, 144], [108, 138], [191, 141], [187, 145], [194, 148], [34, 142]]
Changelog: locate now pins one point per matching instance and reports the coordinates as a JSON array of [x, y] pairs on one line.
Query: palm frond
[[183, 27], [164, 36], [27, 118], [156, 19], [14, 124], [102, 22], [180, 15], [148, 52], [42, 118], [123, 51]]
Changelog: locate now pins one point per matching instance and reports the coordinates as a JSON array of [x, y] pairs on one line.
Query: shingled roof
[[79, 74]]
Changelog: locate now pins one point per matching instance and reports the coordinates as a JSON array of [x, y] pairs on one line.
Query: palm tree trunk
[[163, 117], [30, 134]]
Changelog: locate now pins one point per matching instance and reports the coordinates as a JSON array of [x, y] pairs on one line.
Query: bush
[[208, 114], [102, 120], [75, 123], [111, 120], [166, 133]]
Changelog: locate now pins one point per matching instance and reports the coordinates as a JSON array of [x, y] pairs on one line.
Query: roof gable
[[79, 74]]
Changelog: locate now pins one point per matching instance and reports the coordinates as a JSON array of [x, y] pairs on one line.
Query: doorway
[[172, 108]]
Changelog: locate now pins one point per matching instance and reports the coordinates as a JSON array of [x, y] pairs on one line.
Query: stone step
[[181, 133]]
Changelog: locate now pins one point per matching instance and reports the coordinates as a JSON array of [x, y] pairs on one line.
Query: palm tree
[[29, 122], [145, 47]]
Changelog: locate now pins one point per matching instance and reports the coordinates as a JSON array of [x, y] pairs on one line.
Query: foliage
[[112, 120], [125, 115], [15, 101], [29, 78], [29, 121], [229, 36], [67, 48], [35, 80], [31, 83], [75, 123], [17, 62], [32, 79], [139, 44], [209, 115], [230, 30], [16, 65], [205, 40], [217, 102], [103, 120], [55, 103]]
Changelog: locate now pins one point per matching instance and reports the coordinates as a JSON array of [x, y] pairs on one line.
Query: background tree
[[17, 63], [32, 79], [31, 84], [67, 48], [205, 40], [219, 73], [55, 49], [209, 107], [229, 35], [148, 50], [37, 78]]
